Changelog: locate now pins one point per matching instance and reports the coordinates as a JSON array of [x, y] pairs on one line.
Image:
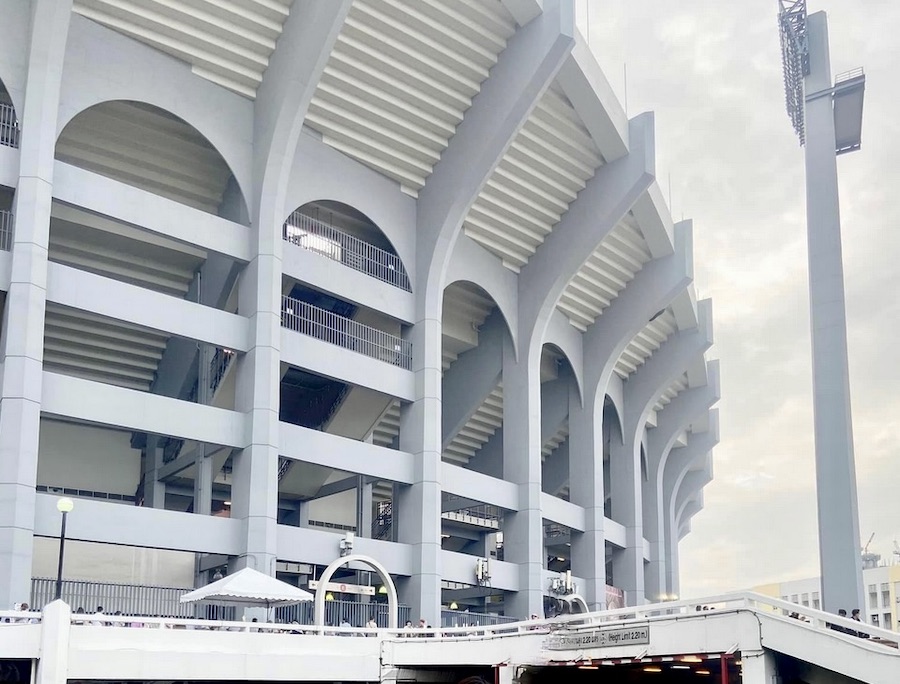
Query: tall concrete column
[[681, 461], [280, 108], [203, 477], [154, 488], [364, 507], [642, 389], [652, 289], [417, 507], [586, 489], [689, 406], [625, 476], [523, 530], [524, 70], [835, 467], [254, 489], [23, 328]]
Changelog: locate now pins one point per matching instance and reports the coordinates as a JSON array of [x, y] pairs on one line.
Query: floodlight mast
[[828, 119]]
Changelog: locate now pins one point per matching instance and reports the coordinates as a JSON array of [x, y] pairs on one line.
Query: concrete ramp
[[817, 653]]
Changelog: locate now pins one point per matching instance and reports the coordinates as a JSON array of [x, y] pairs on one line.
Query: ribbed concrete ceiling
[[672, 391], [148, 148], [400, 78], [646, 342], [228, 42], [102, 349], [548, 164], [605, 274]]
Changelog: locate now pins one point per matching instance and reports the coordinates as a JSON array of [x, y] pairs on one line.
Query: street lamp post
[[64, 506]]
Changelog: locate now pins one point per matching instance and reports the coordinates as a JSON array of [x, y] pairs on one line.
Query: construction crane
[[866, 547], [870, 560]]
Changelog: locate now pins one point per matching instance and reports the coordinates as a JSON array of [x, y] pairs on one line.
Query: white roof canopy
[[249, 587]]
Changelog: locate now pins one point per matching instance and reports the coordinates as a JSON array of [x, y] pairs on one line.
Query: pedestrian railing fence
[[327, 326], [322, 238]]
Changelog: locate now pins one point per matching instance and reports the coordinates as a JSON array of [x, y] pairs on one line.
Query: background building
[[881, 584], [279, 272]]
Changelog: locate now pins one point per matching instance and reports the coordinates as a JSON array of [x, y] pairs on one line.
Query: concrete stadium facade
[[291, 269]]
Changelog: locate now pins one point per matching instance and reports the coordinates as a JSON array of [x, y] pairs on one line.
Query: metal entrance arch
[[393, 603]]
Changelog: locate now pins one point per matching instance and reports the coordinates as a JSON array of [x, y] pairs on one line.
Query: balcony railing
[[6, 230], [322, 238], [218, 366], [327, 326], [9, 126]]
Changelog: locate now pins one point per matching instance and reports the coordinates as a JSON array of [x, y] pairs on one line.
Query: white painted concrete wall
[[85, 457], [114, 563]]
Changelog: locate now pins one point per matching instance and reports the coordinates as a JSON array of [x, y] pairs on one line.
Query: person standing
[[854, 615]]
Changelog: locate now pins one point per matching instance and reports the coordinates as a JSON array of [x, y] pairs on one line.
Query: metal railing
[[322, 238], [9, 126], [336, 612], [6, 230], [218, 366], [486, 515], [858, 72], [130, 599], [327, 326], [461, 618], [383, 524], [171, 448], [144, 601]]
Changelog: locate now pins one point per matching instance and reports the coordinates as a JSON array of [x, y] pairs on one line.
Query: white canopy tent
[[248, 587]]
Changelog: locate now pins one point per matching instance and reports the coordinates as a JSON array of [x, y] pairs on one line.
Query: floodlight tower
[[828, 119]]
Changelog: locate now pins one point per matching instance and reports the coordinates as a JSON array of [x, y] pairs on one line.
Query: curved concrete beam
[[524, 70], [600, 206]]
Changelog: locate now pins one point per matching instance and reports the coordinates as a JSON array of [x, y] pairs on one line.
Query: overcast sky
[[711, 71]]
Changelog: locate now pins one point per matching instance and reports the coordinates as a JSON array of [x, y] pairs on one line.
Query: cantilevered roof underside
[[400, 78], [228, 42]]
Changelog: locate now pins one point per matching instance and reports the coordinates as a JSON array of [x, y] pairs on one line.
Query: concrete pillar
[[22, 343], [758, 667], [154, 489], [203, 476], [642, 389], [689, 406], [364, 507], [586, 490], [835, 464], [53, 665], [523, 533], [254, 489], [625, 473], [681, 461], [523, 71], [652, 289], [417, 508]]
